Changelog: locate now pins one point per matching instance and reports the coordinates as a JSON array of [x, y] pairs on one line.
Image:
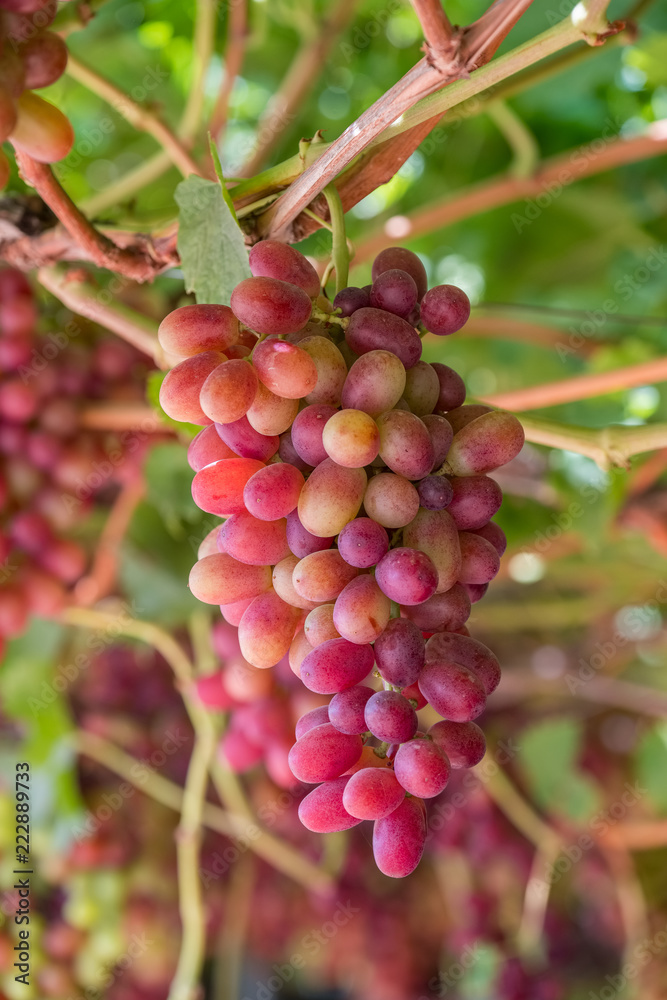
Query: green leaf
[[651, 765], [549, 760], [221, 177], [213, 252], [169, 481], [161, 594]]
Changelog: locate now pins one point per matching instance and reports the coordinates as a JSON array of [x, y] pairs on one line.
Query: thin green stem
[[519, 137], [339, 250]]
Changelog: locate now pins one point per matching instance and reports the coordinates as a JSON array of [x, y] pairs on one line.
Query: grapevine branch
[[139, 117], [608, 447], [569, 390], [557, 172], [237, 35], [133, 262]]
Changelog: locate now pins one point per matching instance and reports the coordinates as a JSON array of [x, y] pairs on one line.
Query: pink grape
[[469, 652], [452, 391], [323, 753], [211, 692], [179, 392], [407, 575], [44, 58], [453, 690], [288, 453], [346, 709], [494, 534], [363, 542], [484, 444], [391, 500], [273, 492], [218, 488], [323, 811], [445, 309], [405, 260], [283, 585], [476, 591], [251, 541], [399, 838], [272, 259], [462, 742], [319, 625], [316, 717], [336, 665], [284, 368], [463, 415], [17, 401], [373, 329], [228, 392], [330, 498], [405, 444], [480, 561], [321, 576], [399, 652], [221, 579], [300, 541], [266, 630], [434, 533], [361, 611], [390, 717], [447, 611], [375, 383], [307, 431], [246, 442], [271, 306], [422, 768], [233, 612], [372, 793], [395, 291], [331, 370], [422, 388], [351, 438], [196, 329], [239, 752], [64, 559]]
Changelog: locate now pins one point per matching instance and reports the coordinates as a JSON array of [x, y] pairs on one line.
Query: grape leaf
[[213, 254], [549, 761]]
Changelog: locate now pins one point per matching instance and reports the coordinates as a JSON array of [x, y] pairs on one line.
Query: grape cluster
[[352, 479], [31, 57], [51, 468]]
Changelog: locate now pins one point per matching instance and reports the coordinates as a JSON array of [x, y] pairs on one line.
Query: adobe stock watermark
[[603, 820], [641, 955], [309, 946], [267, 813], [451, 977], [505, 751], [94, 644], [140, 773], [625, 287], [554, 187], [634, 626], [138, 945], [363, 35]]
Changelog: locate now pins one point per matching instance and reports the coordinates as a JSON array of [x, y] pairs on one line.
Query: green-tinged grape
[[330, 498], [351, 438], [331, 370], [266, 629], [422, 388], [486, 443], [391, 500], [462, 415], [361, 611], [319, 625], [321, 576], [284, 586], [375, 383], [434, 532], [41, 130], [405, 444], [270, 414], [220, 579]]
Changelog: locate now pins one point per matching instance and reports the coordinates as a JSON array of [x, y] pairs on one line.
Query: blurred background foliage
[[577, 614]]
